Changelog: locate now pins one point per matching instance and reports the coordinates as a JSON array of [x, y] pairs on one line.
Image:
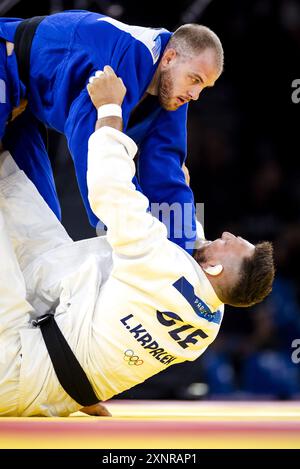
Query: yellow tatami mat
[[162, 424]]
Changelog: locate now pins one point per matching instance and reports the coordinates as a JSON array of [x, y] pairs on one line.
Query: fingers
[[96, 409], [106, 87], [106, 70], [186, 174], [97, 75], [102, 411], [89, 88]]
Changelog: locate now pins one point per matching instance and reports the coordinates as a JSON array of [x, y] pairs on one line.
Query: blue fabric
[[67, 49], [6, 103], [199, 306], [30, 154]]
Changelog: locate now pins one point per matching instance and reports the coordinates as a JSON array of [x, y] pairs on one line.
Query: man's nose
[[194, 93], [227, 235]]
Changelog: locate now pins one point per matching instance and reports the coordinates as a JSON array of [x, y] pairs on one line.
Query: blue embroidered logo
[[200, 308], [156, 49]]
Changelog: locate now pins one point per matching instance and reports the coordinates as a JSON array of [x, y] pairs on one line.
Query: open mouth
[[181, 100]]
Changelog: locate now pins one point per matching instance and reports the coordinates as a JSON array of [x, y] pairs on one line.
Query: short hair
[[256, 278], [192, 39]]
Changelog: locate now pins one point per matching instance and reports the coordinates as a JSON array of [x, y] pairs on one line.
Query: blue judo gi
[[66, 50]]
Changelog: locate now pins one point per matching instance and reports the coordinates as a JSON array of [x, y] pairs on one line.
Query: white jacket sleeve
[[131, 230]]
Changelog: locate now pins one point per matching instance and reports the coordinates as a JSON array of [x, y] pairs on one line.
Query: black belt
[[22, 45], [67, 368], [23, 39]]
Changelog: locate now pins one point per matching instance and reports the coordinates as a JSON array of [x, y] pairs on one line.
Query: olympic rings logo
[[131, 358]]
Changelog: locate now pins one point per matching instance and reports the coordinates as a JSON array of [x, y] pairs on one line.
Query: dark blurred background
[[243, 153]]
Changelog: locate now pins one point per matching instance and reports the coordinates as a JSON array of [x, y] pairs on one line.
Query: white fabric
[[109, 110], [14, 315], [148, 36], [112, 309], [37, 257], [200, 236]]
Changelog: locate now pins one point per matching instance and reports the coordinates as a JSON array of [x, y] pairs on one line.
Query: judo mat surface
[[162, 424]]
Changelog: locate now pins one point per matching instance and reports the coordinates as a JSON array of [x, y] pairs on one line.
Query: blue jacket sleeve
[[78, 128], [162, 180]]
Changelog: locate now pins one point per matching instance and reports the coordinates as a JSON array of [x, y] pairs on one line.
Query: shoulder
[[153, 39]]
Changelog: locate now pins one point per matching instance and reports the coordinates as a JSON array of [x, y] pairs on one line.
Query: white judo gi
[[129, 304]]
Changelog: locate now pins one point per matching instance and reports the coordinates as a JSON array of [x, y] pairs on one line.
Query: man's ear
[[213, 270], [168, 56]]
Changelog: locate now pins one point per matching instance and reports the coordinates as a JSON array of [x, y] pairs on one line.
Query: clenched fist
[[106, 88]]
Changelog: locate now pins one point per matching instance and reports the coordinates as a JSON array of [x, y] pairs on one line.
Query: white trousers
[[28, 228]]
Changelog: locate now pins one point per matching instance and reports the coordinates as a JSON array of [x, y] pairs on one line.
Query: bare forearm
[[111, 121]]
